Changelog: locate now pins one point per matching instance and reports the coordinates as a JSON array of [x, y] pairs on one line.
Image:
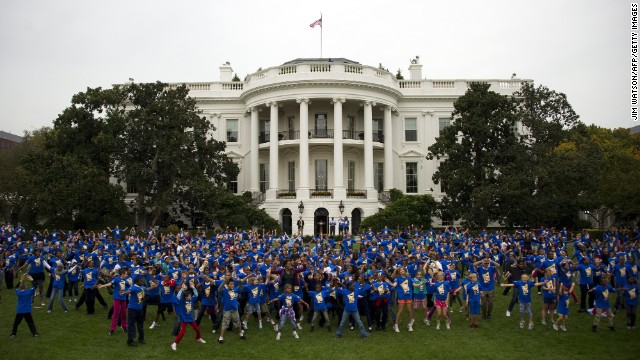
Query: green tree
[[405, 210], [471, 150], [164, 148]]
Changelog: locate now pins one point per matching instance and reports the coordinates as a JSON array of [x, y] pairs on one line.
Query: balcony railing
[[356, 193], [321, 134], [264, 137], [285, 194], [289, 135], [322, 193]]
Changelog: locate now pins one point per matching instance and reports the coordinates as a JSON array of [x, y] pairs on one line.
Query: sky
[[51, 50]]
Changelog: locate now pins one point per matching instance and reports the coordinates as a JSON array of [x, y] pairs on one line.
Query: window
[[378, 176], [377, 132], [132, 188], [444, 123], [410, 129], [321, 126], [446, 220], [291, 121], [443, 187], [321, 174], [264, 177], [232, 130], [351, 175], [351, 128], [292, 175], [412, 177], [264, 131], [232, 185]]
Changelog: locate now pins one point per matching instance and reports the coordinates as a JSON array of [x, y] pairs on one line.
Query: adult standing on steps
[[300, 224]]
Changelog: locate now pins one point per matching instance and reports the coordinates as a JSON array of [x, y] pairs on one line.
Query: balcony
[[321, 194], [356, 194], [285, 194], [321, 134], [377, 136]]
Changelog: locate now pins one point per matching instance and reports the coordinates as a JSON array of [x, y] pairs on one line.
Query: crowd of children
[[231, 277]]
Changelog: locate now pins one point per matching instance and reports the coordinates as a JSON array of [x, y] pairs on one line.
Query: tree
[[471, 150], [403, 211], [165, 149]]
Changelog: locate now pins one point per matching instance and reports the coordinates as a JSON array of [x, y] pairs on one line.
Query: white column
[[254, 182], [303, 187], [339, 191], [273, 151], [388, 150], [368, 150]]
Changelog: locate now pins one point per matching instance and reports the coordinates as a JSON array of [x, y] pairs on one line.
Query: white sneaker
[[260, 325], [448, 326], [563, 328], [508, 313], [295, 335], [272, 322], [531, 325], [201, 341], [522, 324], [153, 324], [278, 336], [555, 327], [275, 327], [426, 322], [299, 326], [410, 327], [213, 331], [544, 322], [395, 328], [174, 346], [48, 311], [438, 327], [245, 326], [301, 318]]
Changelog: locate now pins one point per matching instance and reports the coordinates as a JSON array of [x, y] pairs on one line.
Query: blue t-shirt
[[473, 292], [486, 277], [24, 300], [602, 293], [90, 277], [524, 290], [209, 294], [563, 303], [404, 288], [254, 293], [119, 285], [549, 287], [351, 299], [442, 290], [136, 298], [229, 298], [288, 300], [419, 291], [631, 294], [186, 307], [319, 297], [36, 264]]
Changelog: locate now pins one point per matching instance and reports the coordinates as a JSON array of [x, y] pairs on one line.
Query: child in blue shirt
[[350, 296], [253, 290], [288, 300], [524, 286], [474, 300], [230, 295], [319, 297], [23, 308], [563, 308], [631, 301], [602, 293], [187, 298]]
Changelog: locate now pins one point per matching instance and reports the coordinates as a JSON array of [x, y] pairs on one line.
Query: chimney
[[415, 69], [226, 72]]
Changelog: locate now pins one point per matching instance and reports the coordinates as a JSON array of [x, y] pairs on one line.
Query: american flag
[[317, 22]]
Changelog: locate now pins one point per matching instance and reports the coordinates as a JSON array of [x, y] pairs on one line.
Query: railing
[[510, 85], [444, 84], [356, 193], [384, 197], [192, 86], [320, 68], [322, 193], [235, 85], [290, 69], [354, 69], [321, 134], [378, 136], [410, 84], [264, 137], [289, 135], [285, 194], [350, 134], [257, 198]]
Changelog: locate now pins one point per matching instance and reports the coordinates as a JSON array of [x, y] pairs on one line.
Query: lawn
[[76, 335]]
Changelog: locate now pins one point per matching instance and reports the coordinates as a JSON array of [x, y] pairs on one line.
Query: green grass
[[76, 335]]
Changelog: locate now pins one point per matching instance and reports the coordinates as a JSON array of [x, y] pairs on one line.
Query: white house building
[[322, 138]]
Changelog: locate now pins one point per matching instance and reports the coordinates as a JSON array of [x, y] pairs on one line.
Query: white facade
[[324, 132]]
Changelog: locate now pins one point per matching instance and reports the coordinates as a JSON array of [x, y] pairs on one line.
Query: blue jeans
[[345, 318], [57, 292]]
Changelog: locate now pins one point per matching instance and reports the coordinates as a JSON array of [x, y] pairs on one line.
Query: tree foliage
[[403, 211]]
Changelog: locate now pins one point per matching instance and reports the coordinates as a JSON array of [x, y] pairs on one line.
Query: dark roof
[[10, 137], [332, 60], [635, 130]]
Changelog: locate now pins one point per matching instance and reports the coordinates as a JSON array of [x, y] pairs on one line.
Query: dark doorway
[[287, 222], [356, 216], [320, 221]]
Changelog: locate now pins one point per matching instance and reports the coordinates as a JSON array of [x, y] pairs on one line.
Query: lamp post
[[341, 207], [301, 207]]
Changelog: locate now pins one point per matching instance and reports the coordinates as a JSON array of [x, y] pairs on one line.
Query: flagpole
[[321, 27]]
